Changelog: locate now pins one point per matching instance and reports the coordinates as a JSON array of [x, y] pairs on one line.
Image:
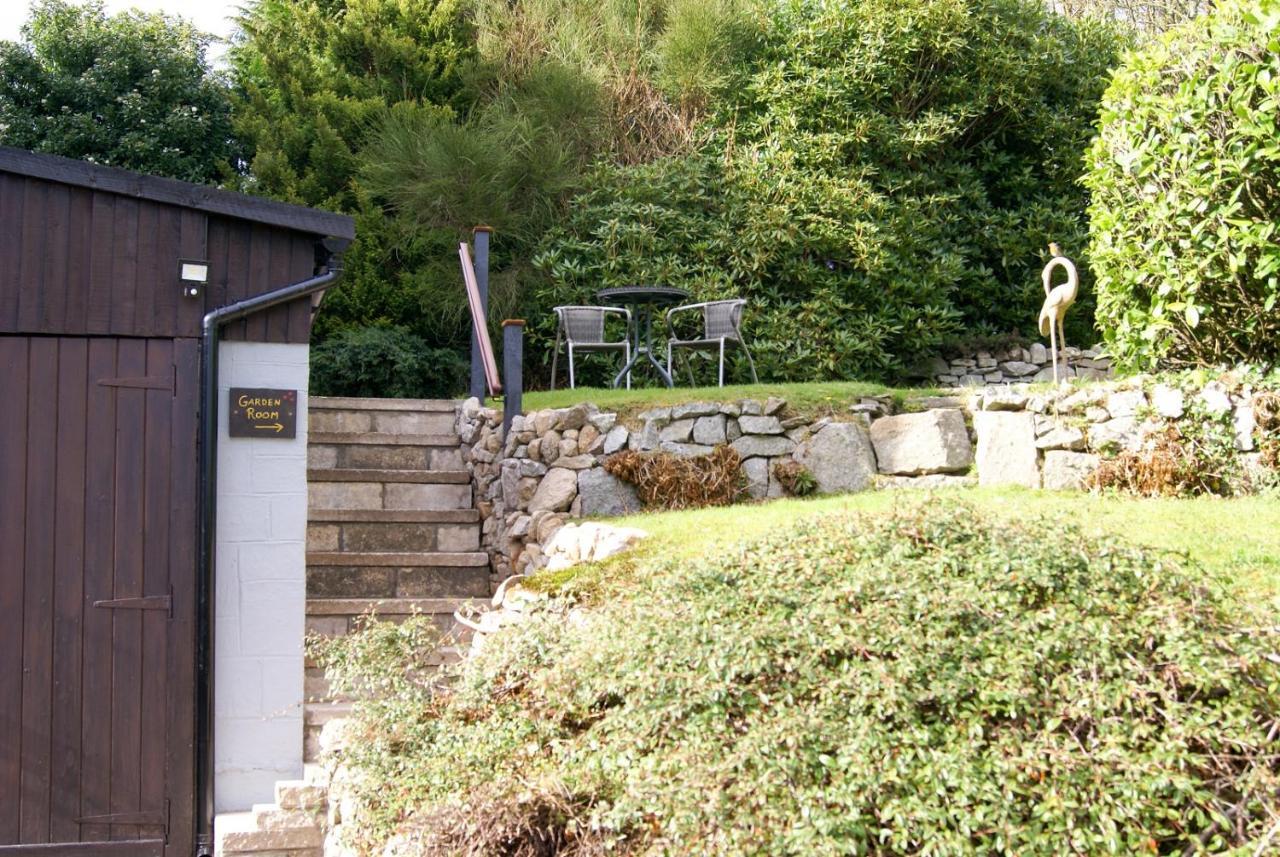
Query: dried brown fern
[[667, 481]]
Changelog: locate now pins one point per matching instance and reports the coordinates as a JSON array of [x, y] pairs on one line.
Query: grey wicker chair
[[721, 323], [583, 328]]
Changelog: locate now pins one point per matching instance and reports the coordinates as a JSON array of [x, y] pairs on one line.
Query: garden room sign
[[261, 412]]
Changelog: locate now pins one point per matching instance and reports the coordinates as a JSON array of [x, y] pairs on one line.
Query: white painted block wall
[[261, 588]]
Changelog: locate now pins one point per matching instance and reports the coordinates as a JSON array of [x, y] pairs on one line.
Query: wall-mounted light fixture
[[193, 274]]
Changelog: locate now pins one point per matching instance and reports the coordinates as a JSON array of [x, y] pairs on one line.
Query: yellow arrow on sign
[[277, 428]]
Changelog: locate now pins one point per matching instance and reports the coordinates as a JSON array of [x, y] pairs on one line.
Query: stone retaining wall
[[549, 469], [1018, 366]]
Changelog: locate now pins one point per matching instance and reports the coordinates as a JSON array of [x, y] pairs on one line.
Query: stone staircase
[[293, 826], [391, 527]]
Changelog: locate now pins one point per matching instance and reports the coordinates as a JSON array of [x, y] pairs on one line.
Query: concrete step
[[403, 516], [392, 536], [353, 403], [398, 416], [304, 794], [431, 477], [399, 495], [426, 535], [238, 833], [389, 608], [383, 451], [453, 559], [392, 581]]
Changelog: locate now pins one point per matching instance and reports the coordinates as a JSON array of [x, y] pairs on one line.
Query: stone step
[[389, 607], [271, 816], [320, 713], [238, 833], [339, 450], [304, 794], [403, 536], [399, 495], [368, 575], [403, 516], [352, 403], [432, 477]]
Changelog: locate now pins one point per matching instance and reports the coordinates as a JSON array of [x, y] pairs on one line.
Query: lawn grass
[[1239, 536], [820, 398]]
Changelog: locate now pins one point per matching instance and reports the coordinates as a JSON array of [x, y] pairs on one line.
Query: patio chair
[[583, 328], [721, 323]]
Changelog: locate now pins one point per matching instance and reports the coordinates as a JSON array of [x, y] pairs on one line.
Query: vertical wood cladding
[[79, 261]]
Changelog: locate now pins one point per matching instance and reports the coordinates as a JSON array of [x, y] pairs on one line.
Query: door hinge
[[145, 602]]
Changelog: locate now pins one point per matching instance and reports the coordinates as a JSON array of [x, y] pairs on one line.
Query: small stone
[[1018, 368], [549, 446], [1039, 354], [774, 406], [603, 493], [986, 361], [755, 473], [570, 418], [731, 409], [751, 445], [751, 408], [520, 528], [1125, 403], [542, 421], [1215, 399], [710, 429], [556, 491], [993, 378], [677, 432], [647, 438], [588, 437], [532, 468], [1003, 399], [576, 462], [948, 380], [1067, 471], [604, 422], [568, 446], [972, 381], [1006, 449], [933, 403], [1096, 414], [840, 457], [794, 422], [759, 425], [546, 526], [1244, 424], [1046, 374], [694, 409], [655, 415], [1120, 432], [964, 363], [1168, 402], [934, 441], [1052, 434], [732, 431], [616, 439]]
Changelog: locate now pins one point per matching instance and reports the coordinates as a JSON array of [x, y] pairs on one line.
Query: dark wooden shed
[[103, 646]]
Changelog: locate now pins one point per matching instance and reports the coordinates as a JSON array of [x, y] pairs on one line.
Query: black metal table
[[642, 301]]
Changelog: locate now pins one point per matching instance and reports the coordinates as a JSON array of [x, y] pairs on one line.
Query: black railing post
[[480, 237], [512, 371]]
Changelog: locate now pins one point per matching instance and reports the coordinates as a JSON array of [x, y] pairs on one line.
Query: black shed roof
[[174, 192]]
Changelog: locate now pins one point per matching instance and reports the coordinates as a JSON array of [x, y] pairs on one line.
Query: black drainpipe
[[213, 322]]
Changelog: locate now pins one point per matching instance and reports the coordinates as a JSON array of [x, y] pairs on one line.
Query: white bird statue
[[1056, 303]]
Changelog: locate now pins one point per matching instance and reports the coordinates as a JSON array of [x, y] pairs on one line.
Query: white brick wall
[[261, 586]]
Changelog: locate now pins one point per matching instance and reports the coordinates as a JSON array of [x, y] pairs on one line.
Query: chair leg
[[572, 385], [722, 362], [750, 362], [626, 355], [555, 358]]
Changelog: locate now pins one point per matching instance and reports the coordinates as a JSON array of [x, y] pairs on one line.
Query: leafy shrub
[[1185, 175], [384, 361], [927, 682], [886, 175]]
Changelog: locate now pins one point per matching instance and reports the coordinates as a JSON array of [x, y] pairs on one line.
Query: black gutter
[[213, 322]]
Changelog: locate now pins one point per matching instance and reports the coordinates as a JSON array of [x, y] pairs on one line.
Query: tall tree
[[312, 79], [132, 90]]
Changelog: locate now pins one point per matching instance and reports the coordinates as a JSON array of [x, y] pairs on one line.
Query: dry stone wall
[[1019, 366], [549, 469]]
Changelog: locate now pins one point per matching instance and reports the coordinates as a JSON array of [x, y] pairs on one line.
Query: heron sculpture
[[1057, 301]]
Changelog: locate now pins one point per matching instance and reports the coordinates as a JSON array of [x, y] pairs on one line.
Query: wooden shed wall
[[79, 261]]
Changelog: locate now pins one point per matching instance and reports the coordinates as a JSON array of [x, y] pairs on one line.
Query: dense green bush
[[1185, 175], [923, 683], [887, 173], [384, 361]]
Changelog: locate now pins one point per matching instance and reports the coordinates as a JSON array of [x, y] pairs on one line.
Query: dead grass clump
[[795, 478], [491, 825], [1166, 466], [1266, 416], [667, 481]]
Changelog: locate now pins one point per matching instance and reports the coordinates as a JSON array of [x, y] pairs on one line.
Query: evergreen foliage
[[132, 90], [887, 175], [1185, 175], [389, 360]]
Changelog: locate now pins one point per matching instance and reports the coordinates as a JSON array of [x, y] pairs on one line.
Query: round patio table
[[642, 301]]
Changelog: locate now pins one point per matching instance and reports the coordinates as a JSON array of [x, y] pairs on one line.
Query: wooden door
[[98, 495]]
